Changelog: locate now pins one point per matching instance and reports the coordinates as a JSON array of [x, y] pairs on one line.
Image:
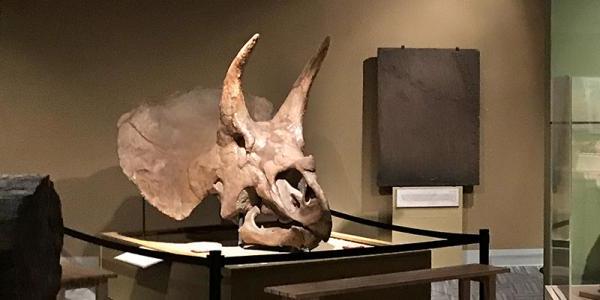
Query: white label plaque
[[137, 260], [444, 196]]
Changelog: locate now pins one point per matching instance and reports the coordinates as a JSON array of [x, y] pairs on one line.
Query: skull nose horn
[[233, 106], [294, 105]]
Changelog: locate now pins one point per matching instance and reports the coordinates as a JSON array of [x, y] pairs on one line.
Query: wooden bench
[[75, 276], [484, 274]]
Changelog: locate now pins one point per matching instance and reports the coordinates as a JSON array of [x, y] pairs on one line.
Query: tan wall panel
[[69, 69], [448, 219]]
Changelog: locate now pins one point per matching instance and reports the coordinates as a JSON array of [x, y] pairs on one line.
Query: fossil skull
[[254, 166]]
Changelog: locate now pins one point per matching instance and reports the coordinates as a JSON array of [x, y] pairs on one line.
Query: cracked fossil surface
[[253, 162]]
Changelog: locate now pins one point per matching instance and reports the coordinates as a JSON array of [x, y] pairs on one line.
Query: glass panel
[[560, 195], [575, 182], [574, 223], [585, 212]]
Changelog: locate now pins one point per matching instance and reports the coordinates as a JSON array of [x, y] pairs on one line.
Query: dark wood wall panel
[[428, 117]]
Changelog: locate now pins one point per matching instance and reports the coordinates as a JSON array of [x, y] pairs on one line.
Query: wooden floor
[[523, 283]]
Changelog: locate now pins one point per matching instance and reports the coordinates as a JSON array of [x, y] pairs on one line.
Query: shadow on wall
[[375, 202], [337, 180], [591, 272], [379, 201], [108, 201]]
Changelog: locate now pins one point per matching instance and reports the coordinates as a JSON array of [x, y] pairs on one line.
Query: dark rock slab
[[428, 117], [31, 237]]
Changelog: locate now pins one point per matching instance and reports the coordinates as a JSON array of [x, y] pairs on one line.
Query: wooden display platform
[[181, 281], [337, 241]]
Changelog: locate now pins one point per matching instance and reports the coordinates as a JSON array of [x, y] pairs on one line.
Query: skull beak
[[322, 228]]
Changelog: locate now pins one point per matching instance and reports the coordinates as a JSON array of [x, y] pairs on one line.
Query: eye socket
[[239, 140], [292, 176], [310, 194]]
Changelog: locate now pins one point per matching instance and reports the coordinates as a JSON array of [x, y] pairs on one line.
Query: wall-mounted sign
[[439, 196]]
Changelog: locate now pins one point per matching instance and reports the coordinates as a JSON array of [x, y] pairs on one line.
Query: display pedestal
[[182, 281], [249, 281]]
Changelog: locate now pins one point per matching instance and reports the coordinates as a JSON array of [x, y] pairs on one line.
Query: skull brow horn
[[232, 103], [295, 104]]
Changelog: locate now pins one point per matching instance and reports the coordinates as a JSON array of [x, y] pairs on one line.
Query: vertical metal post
[[484, 255], [215, 263], [484, 246]]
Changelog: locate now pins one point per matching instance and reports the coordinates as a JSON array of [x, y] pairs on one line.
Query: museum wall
[[70, 69]]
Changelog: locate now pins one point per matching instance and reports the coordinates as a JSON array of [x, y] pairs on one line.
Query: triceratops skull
[[255, 167]]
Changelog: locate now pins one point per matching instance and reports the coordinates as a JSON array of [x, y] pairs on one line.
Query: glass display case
[[574, 193]]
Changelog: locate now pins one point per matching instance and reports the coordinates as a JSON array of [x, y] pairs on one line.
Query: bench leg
[[102, 291], [464, 289], [489, 287], [61, 295]]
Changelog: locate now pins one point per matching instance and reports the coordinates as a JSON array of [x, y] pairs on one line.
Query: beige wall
[[69, 69]]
